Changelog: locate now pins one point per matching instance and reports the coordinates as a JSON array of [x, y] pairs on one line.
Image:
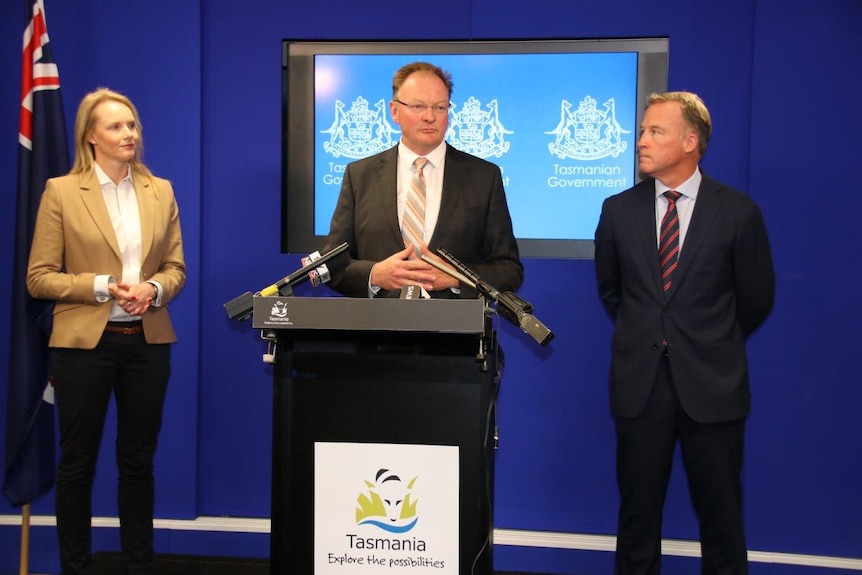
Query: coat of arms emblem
[[359, 131], [588, 133]]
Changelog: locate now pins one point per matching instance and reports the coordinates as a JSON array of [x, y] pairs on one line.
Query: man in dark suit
[[679, 368], [465, 209]]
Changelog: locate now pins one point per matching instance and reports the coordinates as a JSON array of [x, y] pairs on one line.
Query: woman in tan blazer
[[108, 250]]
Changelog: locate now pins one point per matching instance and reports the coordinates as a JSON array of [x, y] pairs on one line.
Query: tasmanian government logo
[[476, 131], [279, 310], [388, 503], [588, 133], [359, 131]]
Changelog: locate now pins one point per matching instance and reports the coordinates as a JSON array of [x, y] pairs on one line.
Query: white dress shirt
[[684, 205], [122, 205], [433, 172]]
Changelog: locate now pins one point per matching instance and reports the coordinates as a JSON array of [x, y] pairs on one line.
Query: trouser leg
[[82, 384], [645, 447], [713, 455], [140, 394]]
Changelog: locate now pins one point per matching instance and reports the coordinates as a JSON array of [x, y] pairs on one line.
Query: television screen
[[560, 119]]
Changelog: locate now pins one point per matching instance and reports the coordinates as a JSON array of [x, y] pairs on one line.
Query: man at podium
[[419, 196]]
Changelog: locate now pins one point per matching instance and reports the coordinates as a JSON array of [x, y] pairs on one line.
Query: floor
[[110, 564]]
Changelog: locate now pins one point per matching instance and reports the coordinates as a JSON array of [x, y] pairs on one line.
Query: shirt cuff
[[372, 290], [100, 287], [157, 302]]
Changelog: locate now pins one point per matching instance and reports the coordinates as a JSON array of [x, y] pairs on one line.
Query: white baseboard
[[510, 537]]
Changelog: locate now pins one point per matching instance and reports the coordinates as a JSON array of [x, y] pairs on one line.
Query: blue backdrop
[[782, 81], [527, 91]]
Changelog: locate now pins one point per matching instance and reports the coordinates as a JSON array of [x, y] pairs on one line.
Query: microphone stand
[[513, 308], [242, 306], [487, 343]]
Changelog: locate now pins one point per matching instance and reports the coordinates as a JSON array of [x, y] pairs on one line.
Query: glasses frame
[[436, 109]]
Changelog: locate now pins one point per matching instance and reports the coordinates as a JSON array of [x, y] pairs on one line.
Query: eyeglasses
[[438, 109]]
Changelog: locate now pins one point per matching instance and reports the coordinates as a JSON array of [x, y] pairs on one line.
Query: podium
[[371, 394]]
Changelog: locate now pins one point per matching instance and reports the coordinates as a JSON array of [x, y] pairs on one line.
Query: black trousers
[[137, 374], [712, 454]]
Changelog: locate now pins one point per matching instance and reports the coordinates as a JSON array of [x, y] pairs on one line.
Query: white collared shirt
[[433, 173], [684, 205], [122, 205]]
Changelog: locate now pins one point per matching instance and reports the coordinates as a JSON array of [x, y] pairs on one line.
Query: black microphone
[[509, 305], [318, 270]]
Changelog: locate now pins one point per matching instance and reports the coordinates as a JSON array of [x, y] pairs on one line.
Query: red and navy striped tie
[[668, 245]]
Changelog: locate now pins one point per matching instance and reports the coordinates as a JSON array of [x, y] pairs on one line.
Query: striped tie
[[413, 225], [668, 244]]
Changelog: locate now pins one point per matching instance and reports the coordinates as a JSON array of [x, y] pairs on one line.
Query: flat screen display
[[560, 119]]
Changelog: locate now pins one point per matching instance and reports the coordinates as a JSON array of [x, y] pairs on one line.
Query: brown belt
[[128, 330]]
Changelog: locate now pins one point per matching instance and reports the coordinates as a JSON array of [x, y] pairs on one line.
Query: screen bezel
[[298, 114]]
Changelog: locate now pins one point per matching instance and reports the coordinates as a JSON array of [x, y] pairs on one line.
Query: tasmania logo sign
[[385, 508], [387, 503]]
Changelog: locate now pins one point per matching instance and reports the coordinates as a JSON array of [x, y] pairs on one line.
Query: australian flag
[[43, 153]]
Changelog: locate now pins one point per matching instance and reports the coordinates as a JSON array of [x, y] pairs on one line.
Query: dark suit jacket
[[722, 291], [74, 241], [474, 222]]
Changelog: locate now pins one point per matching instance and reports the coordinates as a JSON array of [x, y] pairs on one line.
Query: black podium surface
[[356, 371], [464, 317]]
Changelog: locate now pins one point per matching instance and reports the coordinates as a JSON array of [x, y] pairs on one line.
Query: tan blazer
[[74, 241]]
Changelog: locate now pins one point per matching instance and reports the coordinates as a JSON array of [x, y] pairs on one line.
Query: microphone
[[315, 269], [449, 271], [516, 310], [413, 292], [319, 275]]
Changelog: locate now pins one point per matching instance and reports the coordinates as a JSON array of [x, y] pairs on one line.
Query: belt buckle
[[125, 330]]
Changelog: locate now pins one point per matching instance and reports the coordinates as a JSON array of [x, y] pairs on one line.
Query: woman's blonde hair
[[85, 122]]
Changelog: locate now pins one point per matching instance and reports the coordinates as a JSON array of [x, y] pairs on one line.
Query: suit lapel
[[387, 181], [147, 195], [94, 202], [706, 210], [453, 177], [644, 221]]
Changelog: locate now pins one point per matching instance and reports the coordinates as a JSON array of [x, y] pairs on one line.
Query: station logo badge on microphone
[[319, 275]]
